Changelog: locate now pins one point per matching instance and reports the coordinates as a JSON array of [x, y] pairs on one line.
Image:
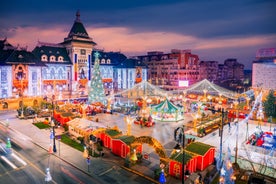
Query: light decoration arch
[[155, 144]]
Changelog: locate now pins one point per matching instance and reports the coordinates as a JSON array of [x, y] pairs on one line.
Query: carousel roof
[[211, 88], [167, 106]]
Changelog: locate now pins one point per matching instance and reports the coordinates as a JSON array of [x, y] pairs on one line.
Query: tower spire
[[78, 16]]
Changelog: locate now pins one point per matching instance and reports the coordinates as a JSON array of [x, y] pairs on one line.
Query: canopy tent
[[141, 89], [166, 111], [83, 127], [209, 88]]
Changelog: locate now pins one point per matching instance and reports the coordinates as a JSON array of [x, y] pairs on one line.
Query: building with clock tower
[[79, 47]]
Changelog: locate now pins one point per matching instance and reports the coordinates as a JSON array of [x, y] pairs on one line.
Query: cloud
[[129, 41], [28, 36]]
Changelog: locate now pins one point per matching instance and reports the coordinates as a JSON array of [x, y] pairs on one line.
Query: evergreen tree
[[96, 93], [269, 104]]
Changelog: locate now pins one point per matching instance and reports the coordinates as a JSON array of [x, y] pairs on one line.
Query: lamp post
[[22, 93], [179, 136], [223, 115], [53, 126], [53, 136], [237, 132]]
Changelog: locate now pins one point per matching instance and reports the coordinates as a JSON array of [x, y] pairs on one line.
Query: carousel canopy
[[166, 106]]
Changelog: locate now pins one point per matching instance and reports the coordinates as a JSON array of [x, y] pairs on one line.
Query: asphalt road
[[66, 166]]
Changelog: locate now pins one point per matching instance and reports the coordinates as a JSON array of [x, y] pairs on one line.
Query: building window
[[34, 76], [44, 57], [60, 58], [176, 169], [52, 73], [108, 61], [103, 61], [52, 58], [83, 51], [4, 77], [60, 74]]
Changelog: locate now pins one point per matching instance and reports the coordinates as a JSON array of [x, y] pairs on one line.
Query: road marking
[[8, 162], [108, 170], [19, 159], [71, 175]]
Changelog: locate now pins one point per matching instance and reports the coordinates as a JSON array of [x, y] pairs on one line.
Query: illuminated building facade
[[61, 69], [166, 70], [264, 69]]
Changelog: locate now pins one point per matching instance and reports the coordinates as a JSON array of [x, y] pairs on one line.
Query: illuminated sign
[[183, 83]]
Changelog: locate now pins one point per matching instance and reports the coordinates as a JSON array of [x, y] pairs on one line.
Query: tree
[[96, 93], [269, 104]]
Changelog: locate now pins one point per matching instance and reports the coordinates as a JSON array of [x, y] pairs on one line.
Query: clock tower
[[79, 47]]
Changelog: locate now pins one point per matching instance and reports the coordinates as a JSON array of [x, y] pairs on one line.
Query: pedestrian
[[229, 125], [200, 178]]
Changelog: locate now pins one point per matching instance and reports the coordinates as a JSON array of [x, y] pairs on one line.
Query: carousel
[[166, 111]]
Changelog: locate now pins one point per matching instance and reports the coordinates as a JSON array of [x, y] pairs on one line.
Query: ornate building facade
[[60, 69]]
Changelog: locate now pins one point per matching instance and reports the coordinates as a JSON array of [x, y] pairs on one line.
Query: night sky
[[212, 29]]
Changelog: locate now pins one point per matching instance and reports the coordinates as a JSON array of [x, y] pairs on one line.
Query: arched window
[[52, 58], [103, 61], [60, 73], [60, 58], [108, 61], [52, 73], [44, 57]]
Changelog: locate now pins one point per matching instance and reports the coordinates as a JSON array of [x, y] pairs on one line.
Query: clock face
[[83, 51]]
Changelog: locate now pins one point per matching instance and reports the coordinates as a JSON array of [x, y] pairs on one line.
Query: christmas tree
[[96, 93]]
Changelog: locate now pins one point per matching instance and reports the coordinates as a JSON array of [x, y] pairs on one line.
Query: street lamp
[[179, 136], [52, 136], [22, 93], [223, 115], [237, 132]]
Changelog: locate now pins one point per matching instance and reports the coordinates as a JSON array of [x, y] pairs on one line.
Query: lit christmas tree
[[96, 93]]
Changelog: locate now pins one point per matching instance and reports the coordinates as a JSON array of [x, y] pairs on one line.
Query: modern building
[[264, 69], [208, 70], [166, 70]]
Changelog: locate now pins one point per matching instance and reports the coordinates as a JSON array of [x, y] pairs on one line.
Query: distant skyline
[[214, 30]]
